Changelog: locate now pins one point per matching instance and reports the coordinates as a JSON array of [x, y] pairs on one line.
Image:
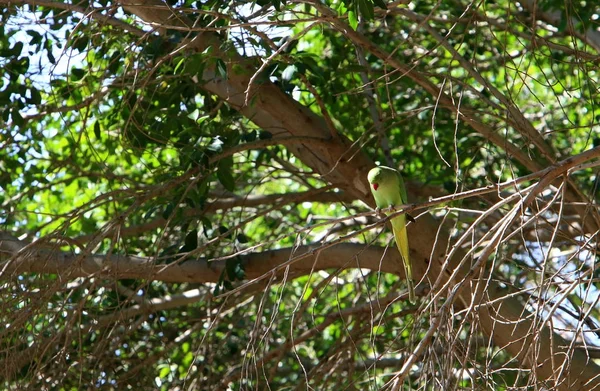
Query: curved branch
[[28, 259]]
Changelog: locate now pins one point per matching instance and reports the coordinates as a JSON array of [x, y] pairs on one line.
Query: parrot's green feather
[[399, 228], [388, 190]]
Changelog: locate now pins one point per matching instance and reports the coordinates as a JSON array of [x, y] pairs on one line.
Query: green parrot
[[388, 190]]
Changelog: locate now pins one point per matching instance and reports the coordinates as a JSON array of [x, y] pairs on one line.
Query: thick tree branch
[[18, 257], [271, 109]]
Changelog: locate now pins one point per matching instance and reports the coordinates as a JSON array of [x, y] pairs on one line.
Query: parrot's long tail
[[399, 228]]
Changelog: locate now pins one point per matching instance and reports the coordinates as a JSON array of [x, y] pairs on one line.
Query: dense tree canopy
[[184, 200]]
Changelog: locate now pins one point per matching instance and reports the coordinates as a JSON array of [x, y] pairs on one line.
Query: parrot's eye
[[375, 186]]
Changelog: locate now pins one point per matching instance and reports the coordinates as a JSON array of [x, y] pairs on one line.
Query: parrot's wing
[[402, 188]]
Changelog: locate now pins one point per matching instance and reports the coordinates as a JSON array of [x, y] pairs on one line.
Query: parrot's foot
[[394, 209]]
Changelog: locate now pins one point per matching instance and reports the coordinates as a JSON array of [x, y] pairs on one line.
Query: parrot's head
[[375, 177]]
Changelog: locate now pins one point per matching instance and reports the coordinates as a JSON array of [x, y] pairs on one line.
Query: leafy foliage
[[126, 141]]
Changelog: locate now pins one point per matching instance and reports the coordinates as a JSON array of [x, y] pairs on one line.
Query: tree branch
[[28, 259]]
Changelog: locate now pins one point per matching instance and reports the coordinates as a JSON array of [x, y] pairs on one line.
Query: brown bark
[[342, 164]]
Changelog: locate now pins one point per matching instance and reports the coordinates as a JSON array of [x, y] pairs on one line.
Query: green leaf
[[264, 135], [115, 61], [16, 49], [221, 68], [77, 74], [36, 38], [234, 268], [311, 63], [250, 136], [168, 210], [190, 242], [206, 225], [353, 19], [223, 230], [50, 55], [265, 75], [366, 8], [149, 213], [194, 65], [17, 117], [164, 372], [380, 3], [81, 43], [97, 131], [36, 97], [289, 72], [180, 65], [216, 145], [22, 65], [224, 173]]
